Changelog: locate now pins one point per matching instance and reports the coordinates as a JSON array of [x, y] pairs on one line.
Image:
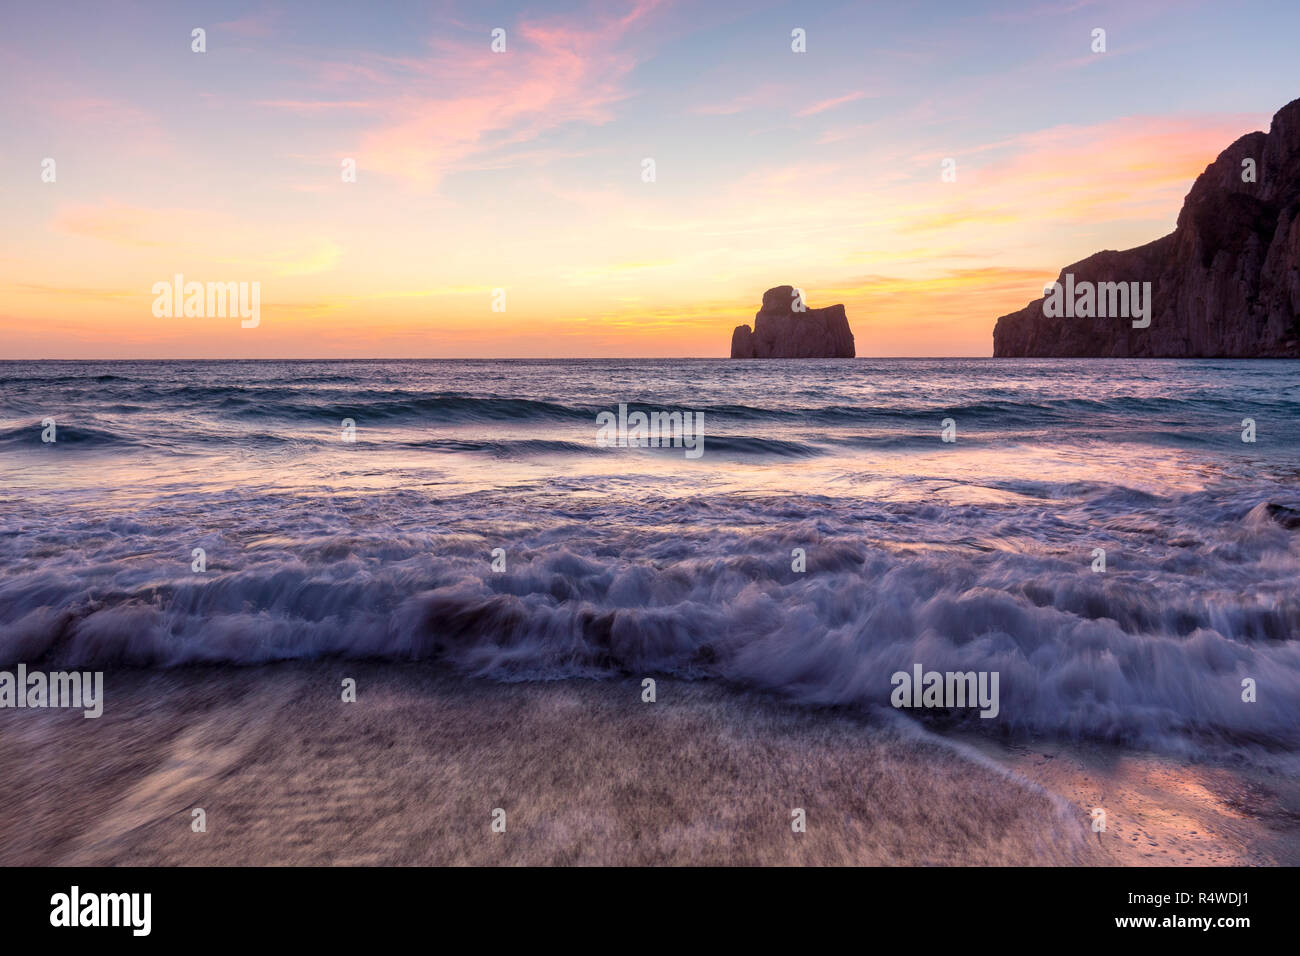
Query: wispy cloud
[[554, 72], [171, 236], [120, 223], [1135, 167], [830, 104]]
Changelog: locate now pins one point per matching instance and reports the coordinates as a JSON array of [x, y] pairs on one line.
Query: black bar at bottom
[[330, 907]]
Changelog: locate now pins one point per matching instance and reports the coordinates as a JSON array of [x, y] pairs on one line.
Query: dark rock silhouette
[[781, 332], [1224, 284]]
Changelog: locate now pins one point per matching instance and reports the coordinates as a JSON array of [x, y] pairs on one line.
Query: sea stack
[[1224, 284], [786, 328]]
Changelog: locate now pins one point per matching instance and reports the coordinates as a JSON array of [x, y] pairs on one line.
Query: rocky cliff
[[780, 331], [1224, 284]]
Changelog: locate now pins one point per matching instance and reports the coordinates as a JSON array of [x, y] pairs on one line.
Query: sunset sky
[[523, 170]]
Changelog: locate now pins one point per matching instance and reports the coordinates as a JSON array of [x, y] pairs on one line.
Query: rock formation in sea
[[781, 330], [1224, 284]]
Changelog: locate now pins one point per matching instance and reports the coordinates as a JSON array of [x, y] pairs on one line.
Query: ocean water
[[970, 555]]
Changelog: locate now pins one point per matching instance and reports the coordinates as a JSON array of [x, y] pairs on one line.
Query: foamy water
[[975, 555]]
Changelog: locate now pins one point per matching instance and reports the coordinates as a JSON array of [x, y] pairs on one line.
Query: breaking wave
[[1153, 651], [975, 555]]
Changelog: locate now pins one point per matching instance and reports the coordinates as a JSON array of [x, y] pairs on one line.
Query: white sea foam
[[1153, 650], [968, 557]]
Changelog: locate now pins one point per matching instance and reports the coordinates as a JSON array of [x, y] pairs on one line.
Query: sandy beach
[[287, 773]]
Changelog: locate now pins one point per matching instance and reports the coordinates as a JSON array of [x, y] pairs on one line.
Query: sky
[[504, 203]]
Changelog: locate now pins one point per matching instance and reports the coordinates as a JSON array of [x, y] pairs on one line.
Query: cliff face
[[781, 332], [1224, 284]]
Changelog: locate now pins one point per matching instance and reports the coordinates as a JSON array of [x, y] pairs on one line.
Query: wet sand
[[1165, 811], [586, 772]]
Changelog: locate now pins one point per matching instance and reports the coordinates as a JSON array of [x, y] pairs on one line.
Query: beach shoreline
[[587, 773]]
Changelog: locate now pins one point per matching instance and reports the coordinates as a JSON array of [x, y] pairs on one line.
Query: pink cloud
[[830, 104], [439, 113], [1131, 168]]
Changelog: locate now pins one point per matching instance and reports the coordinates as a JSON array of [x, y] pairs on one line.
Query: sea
[[1119, 540]]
